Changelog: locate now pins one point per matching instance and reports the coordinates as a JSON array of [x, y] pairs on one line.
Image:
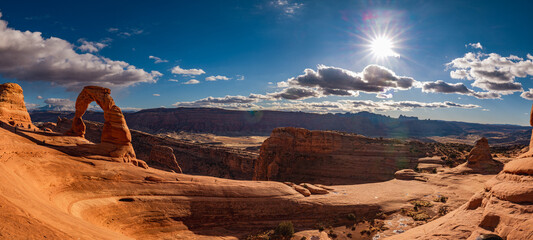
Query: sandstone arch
[[116, 136]]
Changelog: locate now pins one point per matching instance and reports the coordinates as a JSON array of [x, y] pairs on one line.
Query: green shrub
[[442, 199], [443, 210], [284, 230]]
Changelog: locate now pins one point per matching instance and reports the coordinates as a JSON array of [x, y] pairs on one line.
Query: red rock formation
[[480, 160], [12, 107], [116, 137], [164, 155], [300, 155], [504, 208], [409, 174], [193, 158]]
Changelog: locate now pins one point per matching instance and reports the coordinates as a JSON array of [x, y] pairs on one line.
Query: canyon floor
[[57, 187]]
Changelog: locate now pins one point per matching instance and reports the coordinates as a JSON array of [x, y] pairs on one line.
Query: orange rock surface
[[504, 208], [328, 157], [164, 155], [116, 136], [12, 106]]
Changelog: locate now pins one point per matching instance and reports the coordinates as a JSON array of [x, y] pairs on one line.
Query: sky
[[449, 60]]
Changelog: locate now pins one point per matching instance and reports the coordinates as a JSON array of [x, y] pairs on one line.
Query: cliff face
[[192, 158], [300, 155], [12, 107]]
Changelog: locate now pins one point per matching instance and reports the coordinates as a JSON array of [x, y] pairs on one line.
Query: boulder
[[313, 189], [409, 174], [480, 152], [479, 160]]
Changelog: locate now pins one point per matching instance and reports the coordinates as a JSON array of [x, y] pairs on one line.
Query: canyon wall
[[328, 157], [197, 159]]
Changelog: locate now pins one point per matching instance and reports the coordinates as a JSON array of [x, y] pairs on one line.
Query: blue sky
[[256, 53]]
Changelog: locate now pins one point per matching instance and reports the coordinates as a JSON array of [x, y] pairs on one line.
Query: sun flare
[[383, 47]]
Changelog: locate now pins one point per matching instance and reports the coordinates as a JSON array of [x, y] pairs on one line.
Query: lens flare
[[382, 47]]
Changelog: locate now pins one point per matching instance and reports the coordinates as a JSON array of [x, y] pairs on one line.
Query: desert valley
[[76, 180], [266, 120]]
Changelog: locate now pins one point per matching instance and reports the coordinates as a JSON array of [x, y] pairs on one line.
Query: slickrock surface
[[327, 157], [164, 155], [12, 106], [116, 137], [52, 189], [504, 208]]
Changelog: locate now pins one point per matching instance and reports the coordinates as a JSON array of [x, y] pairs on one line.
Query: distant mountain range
[[241, 123]]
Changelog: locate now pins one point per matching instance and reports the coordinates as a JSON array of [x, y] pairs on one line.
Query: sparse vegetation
[[421, 203], [418, 215], [283, 231], [320, 227], [351, 217], [443, 210], [441, 199]]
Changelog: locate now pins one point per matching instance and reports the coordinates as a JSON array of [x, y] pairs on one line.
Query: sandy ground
[[251, 143]]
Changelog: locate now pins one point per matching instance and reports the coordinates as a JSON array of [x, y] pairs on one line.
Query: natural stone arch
[[116, 136]]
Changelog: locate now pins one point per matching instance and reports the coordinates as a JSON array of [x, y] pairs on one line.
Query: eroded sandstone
[[328, 157], [12, 107], [116, 136]]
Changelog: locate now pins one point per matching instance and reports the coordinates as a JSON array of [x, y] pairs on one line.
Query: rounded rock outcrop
[[12, 107]]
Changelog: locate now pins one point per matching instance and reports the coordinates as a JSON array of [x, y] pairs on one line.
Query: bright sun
[[382, 47]]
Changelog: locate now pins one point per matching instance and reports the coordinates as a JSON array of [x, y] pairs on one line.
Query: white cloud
[[288, 8], [527, 95], [157, 60], [39, 97], [240, 77], [91, 47], [338, 81], [440, 86], [156, 95], [173, 80], [27, 56], [218, 77], [474, 45], [112, 29], [131, 32], [192, 81], [181, 71], [492, 72], [248, 103], [59, 104], [31, 106]]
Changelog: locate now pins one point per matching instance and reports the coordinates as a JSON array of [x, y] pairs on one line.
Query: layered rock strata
[[327, 157], [12, 107], [164, 155], [198, 159], [504, 208]]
